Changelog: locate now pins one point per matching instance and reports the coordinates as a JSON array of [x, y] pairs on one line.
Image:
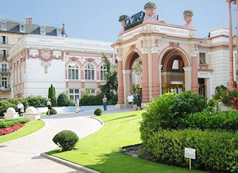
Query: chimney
[[63, 31], [29, 20]]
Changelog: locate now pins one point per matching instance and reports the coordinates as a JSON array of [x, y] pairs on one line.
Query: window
[[3, 26], [74, 93], [59, 32], [89, 72], [3, 40], [3, 53], [42, 30], [4, 82], [175, 65], [102, 72], [90, 92], [4, 68], [202, 58], [22, 27], [73, 72]]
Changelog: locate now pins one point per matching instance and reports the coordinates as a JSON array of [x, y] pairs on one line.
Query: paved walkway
[[23, 155]]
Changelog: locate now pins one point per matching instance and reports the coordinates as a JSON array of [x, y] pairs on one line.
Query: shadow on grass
[[117, 163], [124, 117]]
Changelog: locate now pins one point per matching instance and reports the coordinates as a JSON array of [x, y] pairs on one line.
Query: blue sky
[[98, 19]]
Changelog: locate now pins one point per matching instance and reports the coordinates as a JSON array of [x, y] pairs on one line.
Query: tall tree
[[52, 95], [111, 78]]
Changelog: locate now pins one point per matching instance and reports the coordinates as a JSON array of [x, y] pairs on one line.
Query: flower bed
[[11, 129]]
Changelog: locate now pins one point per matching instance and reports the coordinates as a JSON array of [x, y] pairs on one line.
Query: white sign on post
[[190, 153]]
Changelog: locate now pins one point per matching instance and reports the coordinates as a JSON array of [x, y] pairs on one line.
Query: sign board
[[190, 153], [136, 17]]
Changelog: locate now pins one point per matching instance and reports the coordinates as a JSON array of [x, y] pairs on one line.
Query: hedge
[[223, 121], [214, 150], [9, 123]]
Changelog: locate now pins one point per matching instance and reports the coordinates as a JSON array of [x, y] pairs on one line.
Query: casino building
[[155, 57]]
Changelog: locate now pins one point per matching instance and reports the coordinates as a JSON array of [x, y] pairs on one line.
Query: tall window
[[3, 53], [73, 72], [3, 39], [73, 93], [103, 70], [202, 58], [89, 72], [4, 67], [4, 82]]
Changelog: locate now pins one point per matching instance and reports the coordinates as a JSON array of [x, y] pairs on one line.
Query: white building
[[71, 65]]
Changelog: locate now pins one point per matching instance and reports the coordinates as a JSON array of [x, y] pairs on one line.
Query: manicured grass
[[29, 128], [99, 151]]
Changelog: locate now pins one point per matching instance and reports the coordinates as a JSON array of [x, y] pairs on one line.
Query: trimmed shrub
[[66, 139], [169, 110], [87, 100], [98, 112], [53, 111], [222, 121], [9, 123], [214, 150], [63, 99], [36, 101], [52, 95]]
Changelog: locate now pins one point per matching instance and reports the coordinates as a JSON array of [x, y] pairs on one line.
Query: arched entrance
[[133, 74], [173, 71]]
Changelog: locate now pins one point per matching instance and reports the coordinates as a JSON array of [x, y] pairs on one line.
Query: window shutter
[[6, 40], [7, 55], [1, 39]]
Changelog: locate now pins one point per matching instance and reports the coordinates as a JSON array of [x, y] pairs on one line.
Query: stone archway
[[176, 71]]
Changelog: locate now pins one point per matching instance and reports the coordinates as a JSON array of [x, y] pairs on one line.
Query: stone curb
[[70, 164]]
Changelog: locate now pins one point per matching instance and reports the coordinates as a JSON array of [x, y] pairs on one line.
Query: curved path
[[23, 155]]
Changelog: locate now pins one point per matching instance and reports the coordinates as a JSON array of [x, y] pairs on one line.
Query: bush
[[36, 101], [113, 100], [98, 112], [63, 99], [52, 95], [9, 123], [66, 139], [87, 100], [214, 150], [53, 111], [4, 105], [169, 111]]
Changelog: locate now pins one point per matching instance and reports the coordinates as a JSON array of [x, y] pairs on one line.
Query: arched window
[[89, 72], [73, 72], [103, 70], [175, 65]]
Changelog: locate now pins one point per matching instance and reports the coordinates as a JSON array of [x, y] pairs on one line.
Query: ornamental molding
[[45, 56]]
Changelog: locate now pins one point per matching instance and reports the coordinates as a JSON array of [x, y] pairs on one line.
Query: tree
[[51, 95], [111, 78], [63, 99]]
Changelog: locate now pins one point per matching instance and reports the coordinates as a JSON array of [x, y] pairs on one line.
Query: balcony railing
[[4, 70], [3, 89]]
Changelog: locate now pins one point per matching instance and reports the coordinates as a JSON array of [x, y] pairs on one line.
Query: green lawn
[[29, 128], [99, 151]]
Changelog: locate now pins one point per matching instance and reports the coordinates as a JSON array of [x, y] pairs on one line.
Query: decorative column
[[145, 77], [127, 84], [120, 89], [155, 76], [188, 78], [194, 74], [231, 83]]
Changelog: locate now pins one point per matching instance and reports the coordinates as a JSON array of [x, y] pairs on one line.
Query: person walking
[[77, 105], [104, 100], [130, 99], [138, 102], [49, 106], [20, 108]]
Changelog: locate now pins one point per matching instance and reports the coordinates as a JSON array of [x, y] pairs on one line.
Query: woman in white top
[[130, 100]]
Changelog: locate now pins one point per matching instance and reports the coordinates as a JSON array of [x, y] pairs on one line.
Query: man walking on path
[[130, 100], [77, 105]]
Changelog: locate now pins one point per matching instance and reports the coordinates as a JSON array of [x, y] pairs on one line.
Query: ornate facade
[[71, 65], [172, 57]]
